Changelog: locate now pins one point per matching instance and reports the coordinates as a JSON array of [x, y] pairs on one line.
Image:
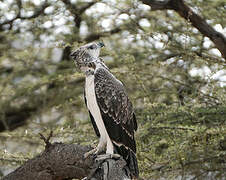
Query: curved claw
[[103, 157], [87, 154]]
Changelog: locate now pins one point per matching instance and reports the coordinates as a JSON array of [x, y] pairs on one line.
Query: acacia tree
[[159, 50]]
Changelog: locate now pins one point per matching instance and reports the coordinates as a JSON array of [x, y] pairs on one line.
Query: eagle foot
[[87, 154], [103, 157]]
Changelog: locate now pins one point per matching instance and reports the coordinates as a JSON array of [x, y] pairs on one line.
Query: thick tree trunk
[[65, 161], [198, 22]]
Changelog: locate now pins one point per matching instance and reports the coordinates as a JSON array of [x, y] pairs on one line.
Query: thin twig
[[46, 140], [176, 128]]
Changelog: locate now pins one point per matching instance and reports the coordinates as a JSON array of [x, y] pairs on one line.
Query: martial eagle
[[111, 112]]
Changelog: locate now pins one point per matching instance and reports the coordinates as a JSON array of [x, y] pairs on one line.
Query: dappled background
[[174, 76]]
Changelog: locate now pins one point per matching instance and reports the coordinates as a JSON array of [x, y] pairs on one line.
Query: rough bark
[[197, 21], [65, 161]]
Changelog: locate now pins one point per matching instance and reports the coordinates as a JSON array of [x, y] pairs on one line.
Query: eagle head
[[85, 55]]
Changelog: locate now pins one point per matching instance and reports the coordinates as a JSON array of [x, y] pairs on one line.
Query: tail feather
[[132, 163], [130, 158]]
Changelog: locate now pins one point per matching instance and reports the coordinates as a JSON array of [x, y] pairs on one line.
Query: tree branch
[[96, 36], [158, 5], [78, 12], [66, 161], [58, 161], [170, 128], [198, 22], [87, 6]]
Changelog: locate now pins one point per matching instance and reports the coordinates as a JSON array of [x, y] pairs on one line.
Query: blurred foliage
[[170, 71]]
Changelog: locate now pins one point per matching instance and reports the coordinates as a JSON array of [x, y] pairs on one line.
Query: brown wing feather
[[116, 108]]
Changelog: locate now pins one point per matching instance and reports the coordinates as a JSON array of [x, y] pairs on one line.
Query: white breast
[[95, 111], [93, 106]]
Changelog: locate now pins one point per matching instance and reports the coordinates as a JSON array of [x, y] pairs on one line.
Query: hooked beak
[[100, 44]]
